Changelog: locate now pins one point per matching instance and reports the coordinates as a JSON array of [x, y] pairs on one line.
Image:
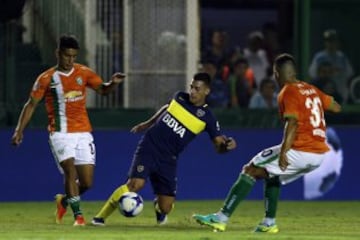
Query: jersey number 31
[[317, 112]]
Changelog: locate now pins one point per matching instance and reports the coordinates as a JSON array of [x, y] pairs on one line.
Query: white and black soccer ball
[[320, 181], [131, 204]]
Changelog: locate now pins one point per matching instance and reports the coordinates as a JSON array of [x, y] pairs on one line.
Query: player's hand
[[118, 77], [230, 143], [224, 144], [283, 161], [139, 128], [17, 138]]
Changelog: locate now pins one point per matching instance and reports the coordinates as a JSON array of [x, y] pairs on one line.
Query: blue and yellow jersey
[[178, 126]]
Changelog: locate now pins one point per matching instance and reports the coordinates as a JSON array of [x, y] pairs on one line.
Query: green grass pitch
[[296, 220]]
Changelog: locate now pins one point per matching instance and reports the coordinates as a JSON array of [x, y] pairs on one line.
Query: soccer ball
[[318, 182], [131, 204]]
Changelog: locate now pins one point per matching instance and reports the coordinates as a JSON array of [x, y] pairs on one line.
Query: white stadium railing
[[156, 43]]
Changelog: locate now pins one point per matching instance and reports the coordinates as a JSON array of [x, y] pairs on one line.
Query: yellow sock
[[112, 203]]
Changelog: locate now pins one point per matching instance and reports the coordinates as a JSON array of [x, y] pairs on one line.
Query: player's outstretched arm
[[24, 118], [335, 107], [148, 123], [108, 87], [288, 139], [224, 144]]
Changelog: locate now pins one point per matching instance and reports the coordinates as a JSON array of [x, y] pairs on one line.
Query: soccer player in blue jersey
[[168, 132]]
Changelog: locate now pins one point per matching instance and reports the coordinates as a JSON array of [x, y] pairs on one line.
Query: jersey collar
[[66, 74]]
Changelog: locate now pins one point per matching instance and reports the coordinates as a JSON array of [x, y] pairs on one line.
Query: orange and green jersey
[[306, 103], [65, 97]]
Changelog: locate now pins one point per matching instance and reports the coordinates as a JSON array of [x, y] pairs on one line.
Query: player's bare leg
[[163, 205], [85, 175], [72, 193], [133, 185]]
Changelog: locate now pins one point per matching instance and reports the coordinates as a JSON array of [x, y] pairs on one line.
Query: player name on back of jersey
[[307, 92], [315, 104], [174, 125]]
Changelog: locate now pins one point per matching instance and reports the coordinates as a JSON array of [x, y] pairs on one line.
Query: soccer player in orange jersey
[[64, 89], [302, 149]]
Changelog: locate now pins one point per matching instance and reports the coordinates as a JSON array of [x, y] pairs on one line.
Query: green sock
[[271, 196], [74, 203], [238, 193], [64, 202]]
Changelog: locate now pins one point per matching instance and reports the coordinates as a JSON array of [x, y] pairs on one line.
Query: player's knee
[[68, 164], [248, 169], [253, 171], [135, 185]]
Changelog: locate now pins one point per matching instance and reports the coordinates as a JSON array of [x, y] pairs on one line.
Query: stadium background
[[157, 44]]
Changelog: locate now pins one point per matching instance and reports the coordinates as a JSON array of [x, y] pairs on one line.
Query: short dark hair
[[204, 77], [68, 41], [324, 63], [282, 59], [266, 81], [256, 35], [217, 30], [330, 35], [208, 61]]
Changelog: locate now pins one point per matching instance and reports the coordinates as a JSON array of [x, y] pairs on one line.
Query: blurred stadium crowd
[[242, 75], [241, 70]]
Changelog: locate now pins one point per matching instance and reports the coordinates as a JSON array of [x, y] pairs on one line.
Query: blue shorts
[[161, 170]]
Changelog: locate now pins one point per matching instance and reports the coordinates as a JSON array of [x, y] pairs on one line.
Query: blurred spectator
[[324, 80], [271, 41], [266, 96], [341, 67], [235, 54], [171, 44], [241, 86], [256, 56], [219, 95], [217, 51], [117, 52], [11, 9]]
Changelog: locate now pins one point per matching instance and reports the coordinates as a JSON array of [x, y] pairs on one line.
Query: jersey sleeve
[[213, 127], [326, 100], [94, 81], [289, 103], [39, 88], [175, 96]]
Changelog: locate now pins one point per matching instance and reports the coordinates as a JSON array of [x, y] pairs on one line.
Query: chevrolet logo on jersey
[[73, 96], [186, 118]]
